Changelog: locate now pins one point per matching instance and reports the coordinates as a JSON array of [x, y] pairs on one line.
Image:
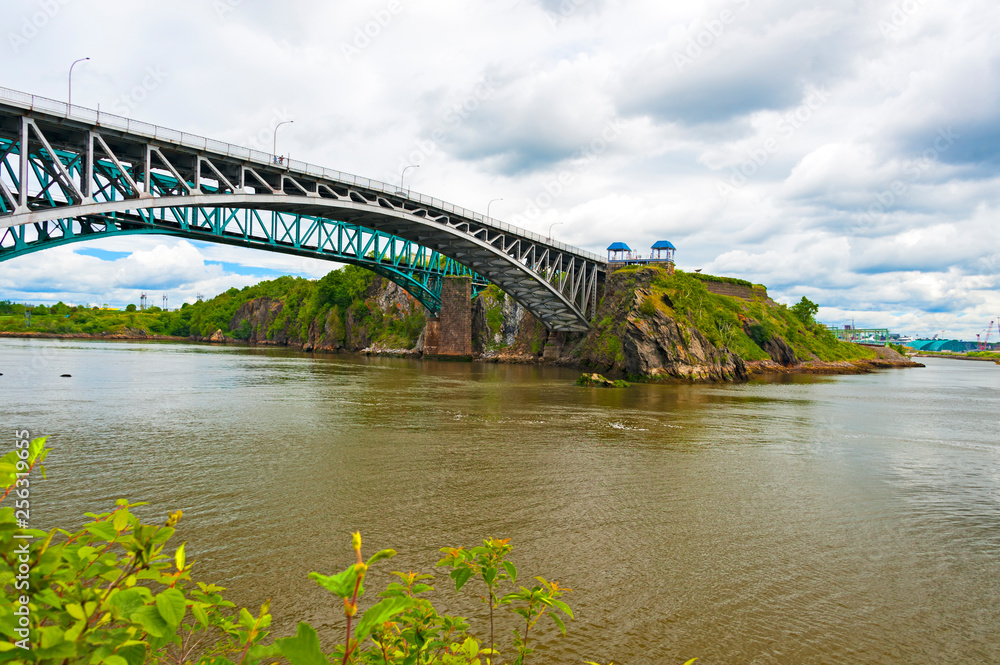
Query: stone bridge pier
[[449, 335]]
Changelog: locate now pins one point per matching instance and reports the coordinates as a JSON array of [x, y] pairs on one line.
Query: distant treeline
[[303, 302]]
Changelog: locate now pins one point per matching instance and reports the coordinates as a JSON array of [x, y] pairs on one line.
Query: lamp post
[[274, 147], [550, 228], [69, 94], [405, 169], [488, 206]]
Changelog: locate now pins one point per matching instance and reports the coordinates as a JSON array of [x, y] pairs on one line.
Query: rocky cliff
[[649, 325], [636, 333], [385, 317]]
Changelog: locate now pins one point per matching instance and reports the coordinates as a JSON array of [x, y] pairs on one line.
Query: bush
[[760, 334], [648, 307], [805, 310], [899, 348], [112, 593], [724, 280]]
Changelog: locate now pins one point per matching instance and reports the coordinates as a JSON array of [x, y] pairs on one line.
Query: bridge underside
[[63, 178], [418, 270]]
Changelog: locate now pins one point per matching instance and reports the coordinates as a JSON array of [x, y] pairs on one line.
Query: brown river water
[[850, 519]]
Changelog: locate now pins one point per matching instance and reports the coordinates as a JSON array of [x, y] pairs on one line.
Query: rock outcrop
[[258, 315], [265, 321], [634, 334], [503, 331], [779, 351]]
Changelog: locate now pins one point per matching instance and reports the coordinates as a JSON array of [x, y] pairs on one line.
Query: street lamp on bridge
[[405, 169], [549, 237], [274, 147], [69, 94], [489, 204]]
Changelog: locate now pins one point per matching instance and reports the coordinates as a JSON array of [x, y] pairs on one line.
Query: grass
[[741, 326]]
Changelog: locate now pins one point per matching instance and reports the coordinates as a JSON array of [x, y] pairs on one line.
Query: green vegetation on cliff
[[756, 329], [305, 309], [493, 299], [746, 327], [339, 310]]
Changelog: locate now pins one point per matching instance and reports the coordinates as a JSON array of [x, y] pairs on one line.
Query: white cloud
[[926, 260]]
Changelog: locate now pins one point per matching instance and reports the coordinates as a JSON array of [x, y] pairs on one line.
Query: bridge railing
[[196, 142]]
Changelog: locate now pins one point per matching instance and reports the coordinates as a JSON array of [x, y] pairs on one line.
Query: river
[[851, 519]]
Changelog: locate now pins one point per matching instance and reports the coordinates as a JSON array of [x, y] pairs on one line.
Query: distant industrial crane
[[983, 344]]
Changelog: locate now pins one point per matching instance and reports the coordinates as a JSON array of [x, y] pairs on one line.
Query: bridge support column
[[452, 329], [553, 346], [432, 336]]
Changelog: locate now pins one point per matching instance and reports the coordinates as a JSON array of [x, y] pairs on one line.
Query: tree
[[130, 308], [805, 310]]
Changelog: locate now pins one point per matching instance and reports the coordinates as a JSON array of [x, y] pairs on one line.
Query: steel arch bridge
[[70, 175]]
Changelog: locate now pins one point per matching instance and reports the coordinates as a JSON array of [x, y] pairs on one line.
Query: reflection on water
[[805, 520]]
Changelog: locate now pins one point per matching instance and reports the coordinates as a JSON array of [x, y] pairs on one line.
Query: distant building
[[869, 336], [937, 345], [620, 254]]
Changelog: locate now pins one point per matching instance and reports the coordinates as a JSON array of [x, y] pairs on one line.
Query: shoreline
[[842, 367], [755, 368], [950, 357], [114, 337]]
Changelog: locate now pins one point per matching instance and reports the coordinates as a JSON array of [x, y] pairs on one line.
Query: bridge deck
[[56, 109], [555, 281]]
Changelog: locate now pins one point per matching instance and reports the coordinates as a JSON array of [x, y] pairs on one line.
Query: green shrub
[[760, 334], [113, 593], [702, 277], [648, 307]]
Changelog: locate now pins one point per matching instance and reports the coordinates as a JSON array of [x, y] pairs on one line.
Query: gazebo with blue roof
[[619, 251], [663, 250], [663, 253]]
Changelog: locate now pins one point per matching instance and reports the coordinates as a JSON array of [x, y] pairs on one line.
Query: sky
[[844, 151]]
